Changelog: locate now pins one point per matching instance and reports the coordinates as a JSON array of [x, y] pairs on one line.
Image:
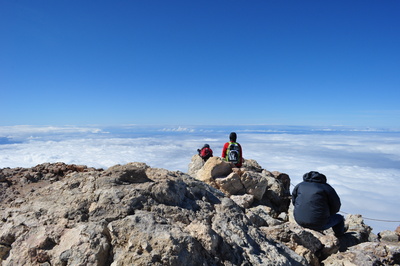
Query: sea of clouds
[[363, 165]]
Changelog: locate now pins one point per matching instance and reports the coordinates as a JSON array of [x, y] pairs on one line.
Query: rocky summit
[[58, 214]]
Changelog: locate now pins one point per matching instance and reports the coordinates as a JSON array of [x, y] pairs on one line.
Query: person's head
[[206, 146], [232, 136], [314, 176]]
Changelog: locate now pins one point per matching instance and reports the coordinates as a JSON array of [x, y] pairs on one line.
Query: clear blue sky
[[200, 62]]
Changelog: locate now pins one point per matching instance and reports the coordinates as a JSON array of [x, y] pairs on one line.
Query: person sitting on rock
[[232, 151], [205, 152], [316, 204]]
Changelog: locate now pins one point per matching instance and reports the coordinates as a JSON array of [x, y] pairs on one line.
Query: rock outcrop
[[137, 215], [250, 183], [130, 215], [265, 196]]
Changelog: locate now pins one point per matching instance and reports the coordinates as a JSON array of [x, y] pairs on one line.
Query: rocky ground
[[58, 214]]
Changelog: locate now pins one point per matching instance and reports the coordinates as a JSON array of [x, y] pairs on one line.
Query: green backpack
[[233, 152]]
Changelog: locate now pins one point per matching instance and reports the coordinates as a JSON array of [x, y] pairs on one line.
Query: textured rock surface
[[369, 253], [212, 169], [57, 214], [266, 188], [195, 165], [266, 198], [132, 215]]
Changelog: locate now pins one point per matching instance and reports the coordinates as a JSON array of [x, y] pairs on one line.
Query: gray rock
[[129, 173], [214, 168], [230, 185], [389, 236], [132, 215], [252, 165], [195, 165], [254, 183], [262, 216], [369, 253], [136, 215], [243, 201]]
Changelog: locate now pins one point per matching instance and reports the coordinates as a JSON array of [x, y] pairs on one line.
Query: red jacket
[[206, 153], [225, 148]]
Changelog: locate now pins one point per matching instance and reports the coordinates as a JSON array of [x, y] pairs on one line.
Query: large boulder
[[244, 201], [129, 173], [252, 165], [230, 185], [266, 188], [254, 183], [277, 193], [195, 165], [263, 216], [214, 168], [357, 232], [389, 236]]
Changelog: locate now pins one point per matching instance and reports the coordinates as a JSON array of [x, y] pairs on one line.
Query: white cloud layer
[[363, 167]]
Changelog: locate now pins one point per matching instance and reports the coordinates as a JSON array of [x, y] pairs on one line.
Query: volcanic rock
[[132, 215], [58, 214]]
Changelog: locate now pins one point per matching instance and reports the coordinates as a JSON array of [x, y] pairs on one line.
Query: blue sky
[[200, 62]]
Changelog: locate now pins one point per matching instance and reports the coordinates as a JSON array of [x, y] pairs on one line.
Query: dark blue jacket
[[314, 201]]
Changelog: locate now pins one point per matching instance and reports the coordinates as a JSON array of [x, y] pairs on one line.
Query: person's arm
[[202, 153], [241, 154], [334, 200], [224, 150], [294, 194]]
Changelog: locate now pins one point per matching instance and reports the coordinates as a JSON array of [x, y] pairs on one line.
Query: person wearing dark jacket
[[316, 204]]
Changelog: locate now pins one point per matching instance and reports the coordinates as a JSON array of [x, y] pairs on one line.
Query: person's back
[[205, 152], [232, 151], [316, 203]]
